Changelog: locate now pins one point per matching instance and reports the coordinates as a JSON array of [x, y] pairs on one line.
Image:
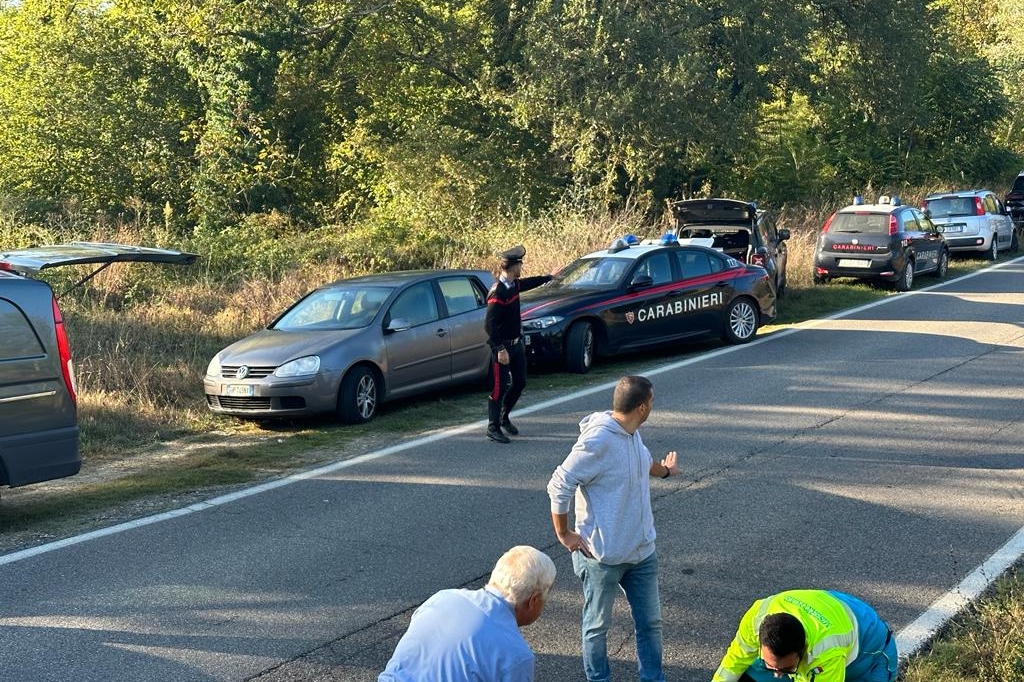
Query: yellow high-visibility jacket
[[830, 626]]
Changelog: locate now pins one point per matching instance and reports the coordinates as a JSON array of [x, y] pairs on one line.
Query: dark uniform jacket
[[502, 322]]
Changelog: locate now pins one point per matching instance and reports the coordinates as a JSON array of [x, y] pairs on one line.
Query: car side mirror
[[399, 324], [783, 234], [641, 281]]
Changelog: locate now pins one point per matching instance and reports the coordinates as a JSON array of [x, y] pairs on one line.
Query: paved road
[[879, 453]]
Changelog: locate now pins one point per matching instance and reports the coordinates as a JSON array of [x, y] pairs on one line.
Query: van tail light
[[824, 228], [4, 265], [893, 225], [979, 208], [64, 348], [759, 258]]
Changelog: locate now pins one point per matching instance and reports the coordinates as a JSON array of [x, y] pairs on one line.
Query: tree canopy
[[407, 112]]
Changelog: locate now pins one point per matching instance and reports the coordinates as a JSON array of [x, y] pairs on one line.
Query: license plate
[[526, 340], [951, 228], [854, 263], [240, 390]]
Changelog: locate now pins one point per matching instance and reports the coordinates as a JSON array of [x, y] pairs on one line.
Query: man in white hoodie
[[608, 473]]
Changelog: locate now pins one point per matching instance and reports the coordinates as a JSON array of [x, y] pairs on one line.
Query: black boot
[[493, 419], [507, 424], [495, 434]]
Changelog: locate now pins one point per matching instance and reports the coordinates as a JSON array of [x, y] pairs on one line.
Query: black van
[[38, 404], [38, 410]]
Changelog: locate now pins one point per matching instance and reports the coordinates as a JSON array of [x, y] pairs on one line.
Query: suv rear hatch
[[729, 222], [38, 401]]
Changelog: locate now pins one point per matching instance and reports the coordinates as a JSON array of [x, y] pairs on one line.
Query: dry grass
[[984, 643]]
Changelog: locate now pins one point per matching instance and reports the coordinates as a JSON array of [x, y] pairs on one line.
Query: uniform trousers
[[507, 383]]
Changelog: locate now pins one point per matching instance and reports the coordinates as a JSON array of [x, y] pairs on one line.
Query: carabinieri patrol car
[[639, 294]]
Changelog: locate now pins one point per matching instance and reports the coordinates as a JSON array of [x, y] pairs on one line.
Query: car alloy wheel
[[580, 346], [741, 321], [943, 267], [906, 280], [993, 252], [357, 398]]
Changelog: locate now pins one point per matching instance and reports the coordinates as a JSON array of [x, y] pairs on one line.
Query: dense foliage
[[408, 117]]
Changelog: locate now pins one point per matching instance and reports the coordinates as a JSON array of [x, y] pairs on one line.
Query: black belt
[[512, 342]]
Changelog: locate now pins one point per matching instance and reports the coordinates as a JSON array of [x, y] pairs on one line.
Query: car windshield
[[948, 207], [346, 307], [864, 223], [592, 273]]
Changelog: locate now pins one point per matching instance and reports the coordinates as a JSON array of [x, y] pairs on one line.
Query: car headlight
[[542, 322], [213, 369], [300, 367]]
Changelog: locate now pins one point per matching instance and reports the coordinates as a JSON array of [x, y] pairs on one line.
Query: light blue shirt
[[462, 636]]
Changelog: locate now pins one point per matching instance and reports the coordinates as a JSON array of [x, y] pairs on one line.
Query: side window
[[768, 233], [658, 267], [20, 341], [990, 204], [416, 305], [924, 224], [460, 296], [693, 263], [909, 221]]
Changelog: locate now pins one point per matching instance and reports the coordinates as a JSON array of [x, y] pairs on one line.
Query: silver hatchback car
[[351, 345], [972, 220]]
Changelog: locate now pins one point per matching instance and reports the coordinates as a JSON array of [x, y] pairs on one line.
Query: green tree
[[93, 113]]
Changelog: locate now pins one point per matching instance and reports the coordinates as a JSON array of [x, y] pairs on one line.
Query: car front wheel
[[358, 396], [993, 251], [580, 346], [740, 321]]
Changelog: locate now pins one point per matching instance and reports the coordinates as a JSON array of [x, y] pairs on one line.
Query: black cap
[[513, 255]]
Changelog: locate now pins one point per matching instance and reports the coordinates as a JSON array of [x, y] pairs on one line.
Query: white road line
[[909, 640]]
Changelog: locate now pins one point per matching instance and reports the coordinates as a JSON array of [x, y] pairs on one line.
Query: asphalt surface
[[878, 453]]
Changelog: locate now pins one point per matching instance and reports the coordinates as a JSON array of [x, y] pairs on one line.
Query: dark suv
[[38, 403], [1015, 201], [886, 241], [38, 411], [739, 229]]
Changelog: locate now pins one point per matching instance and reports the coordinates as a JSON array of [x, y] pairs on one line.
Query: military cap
[[513, 255]]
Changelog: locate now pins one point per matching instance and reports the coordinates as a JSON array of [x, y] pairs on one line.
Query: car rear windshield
[[335, 308], [863, 223], [949, 207]]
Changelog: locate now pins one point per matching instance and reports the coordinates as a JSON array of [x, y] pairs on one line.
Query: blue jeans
[[601, 583]]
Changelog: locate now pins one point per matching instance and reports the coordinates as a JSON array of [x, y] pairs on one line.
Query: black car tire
[[993, 251], [780, 287], [741, 320], [1014, 242], [358, 396], [942, 268], [580, 348], [906, 279]]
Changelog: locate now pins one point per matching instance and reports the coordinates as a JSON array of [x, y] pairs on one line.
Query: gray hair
[[522, 572]]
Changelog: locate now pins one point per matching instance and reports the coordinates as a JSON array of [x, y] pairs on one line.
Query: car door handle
[[721, 284], [442, 332]]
